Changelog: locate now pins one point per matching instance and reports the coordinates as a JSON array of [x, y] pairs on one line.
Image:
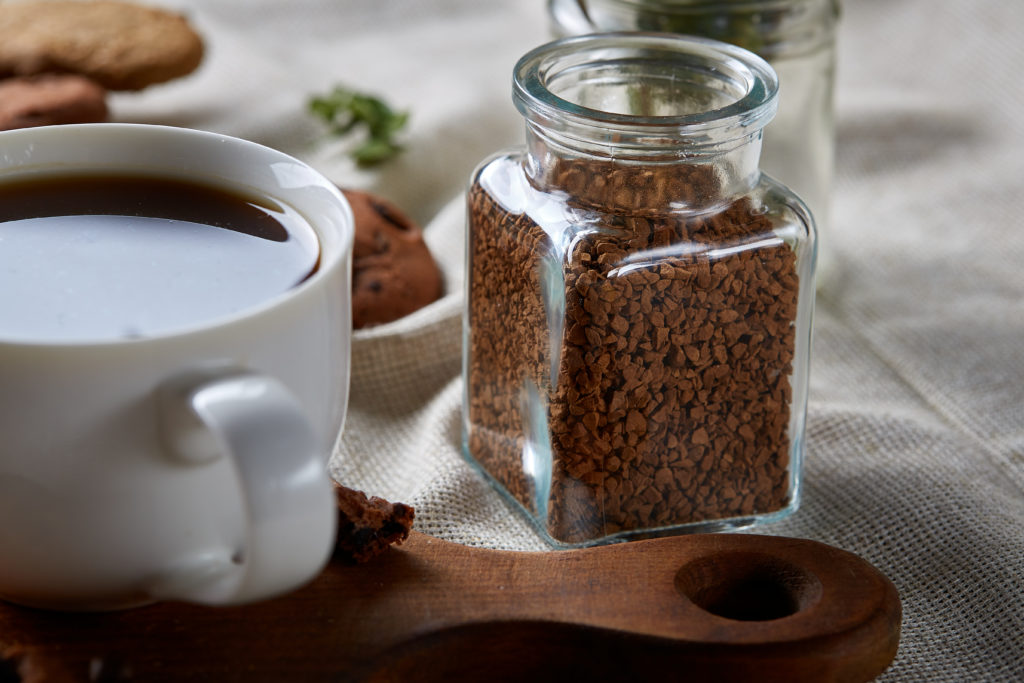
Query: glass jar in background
[[797, 37], [639, 295]]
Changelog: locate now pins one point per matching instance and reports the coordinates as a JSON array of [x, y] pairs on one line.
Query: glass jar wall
[[639, 295]]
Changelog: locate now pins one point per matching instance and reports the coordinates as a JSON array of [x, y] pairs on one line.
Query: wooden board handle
[[722, 607]]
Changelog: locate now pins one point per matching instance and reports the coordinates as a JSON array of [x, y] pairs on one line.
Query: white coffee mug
[[187, 465]]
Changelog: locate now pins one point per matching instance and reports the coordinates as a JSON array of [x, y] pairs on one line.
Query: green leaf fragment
[[345, 110]]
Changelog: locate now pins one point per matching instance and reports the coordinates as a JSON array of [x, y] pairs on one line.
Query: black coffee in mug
[[102, 257]]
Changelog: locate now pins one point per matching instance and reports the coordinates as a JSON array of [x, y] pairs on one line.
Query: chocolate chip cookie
[[394, 272]]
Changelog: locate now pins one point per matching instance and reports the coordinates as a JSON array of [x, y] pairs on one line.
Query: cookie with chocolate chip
[[120, 45], [393, 271], [368, 525], [50, 99]]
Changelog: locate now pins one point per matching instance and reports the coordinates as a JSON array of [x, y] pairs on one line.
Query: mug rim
[[335, 249]]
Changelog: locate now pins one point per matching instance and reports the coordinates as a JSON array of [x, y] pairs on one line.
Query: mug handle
[[290, 516]]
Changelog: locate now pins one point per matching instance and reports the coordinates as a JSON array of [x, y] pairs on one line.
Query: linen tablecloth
[[915, 444]]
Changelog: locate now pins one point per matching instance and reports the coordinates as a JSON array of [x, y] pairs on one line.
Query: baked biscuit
[[119, 45], [50, 99], [393, 271]]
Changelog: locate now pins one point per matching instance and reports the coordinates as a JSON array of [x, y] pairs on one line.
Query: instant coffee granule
[[651, 357]]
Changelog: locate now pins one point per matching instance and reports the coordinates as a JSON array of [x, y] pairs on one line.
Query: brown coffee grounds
[[669, 399], [30, 664]]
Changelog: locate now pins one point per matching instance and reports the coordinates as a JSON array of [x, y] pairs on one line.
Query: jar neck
[[605, 177], [644, 122], [773, 29]]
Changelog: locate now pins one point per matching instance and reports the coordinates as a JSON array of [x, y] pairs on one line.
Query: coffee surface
[[94, 258]]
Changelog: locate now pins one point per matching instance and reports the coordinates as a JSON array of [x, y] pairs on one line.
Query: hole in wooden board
[[748, 586]]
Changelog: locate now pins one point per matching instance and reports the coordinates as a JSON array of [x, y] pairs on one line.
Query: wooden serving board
[[721, 607]]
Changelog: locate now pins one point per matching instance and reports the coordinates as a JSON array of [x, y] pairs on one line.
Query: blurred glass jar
[[797, 37]]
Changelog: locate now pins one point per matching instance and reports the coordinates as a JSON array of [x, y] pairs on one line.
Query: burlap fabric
[[915, 445]]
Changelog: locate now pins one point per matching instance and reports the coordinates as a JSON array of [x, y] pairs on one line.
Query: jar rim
[[750, 110]]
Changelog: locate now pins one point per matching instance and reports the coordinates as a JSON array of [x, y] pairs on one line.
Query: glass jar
[[797, 37], [639, 295]]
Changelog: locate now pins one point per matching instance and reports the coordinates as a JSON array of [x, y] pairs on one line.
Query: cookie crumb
[[368, 526]]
